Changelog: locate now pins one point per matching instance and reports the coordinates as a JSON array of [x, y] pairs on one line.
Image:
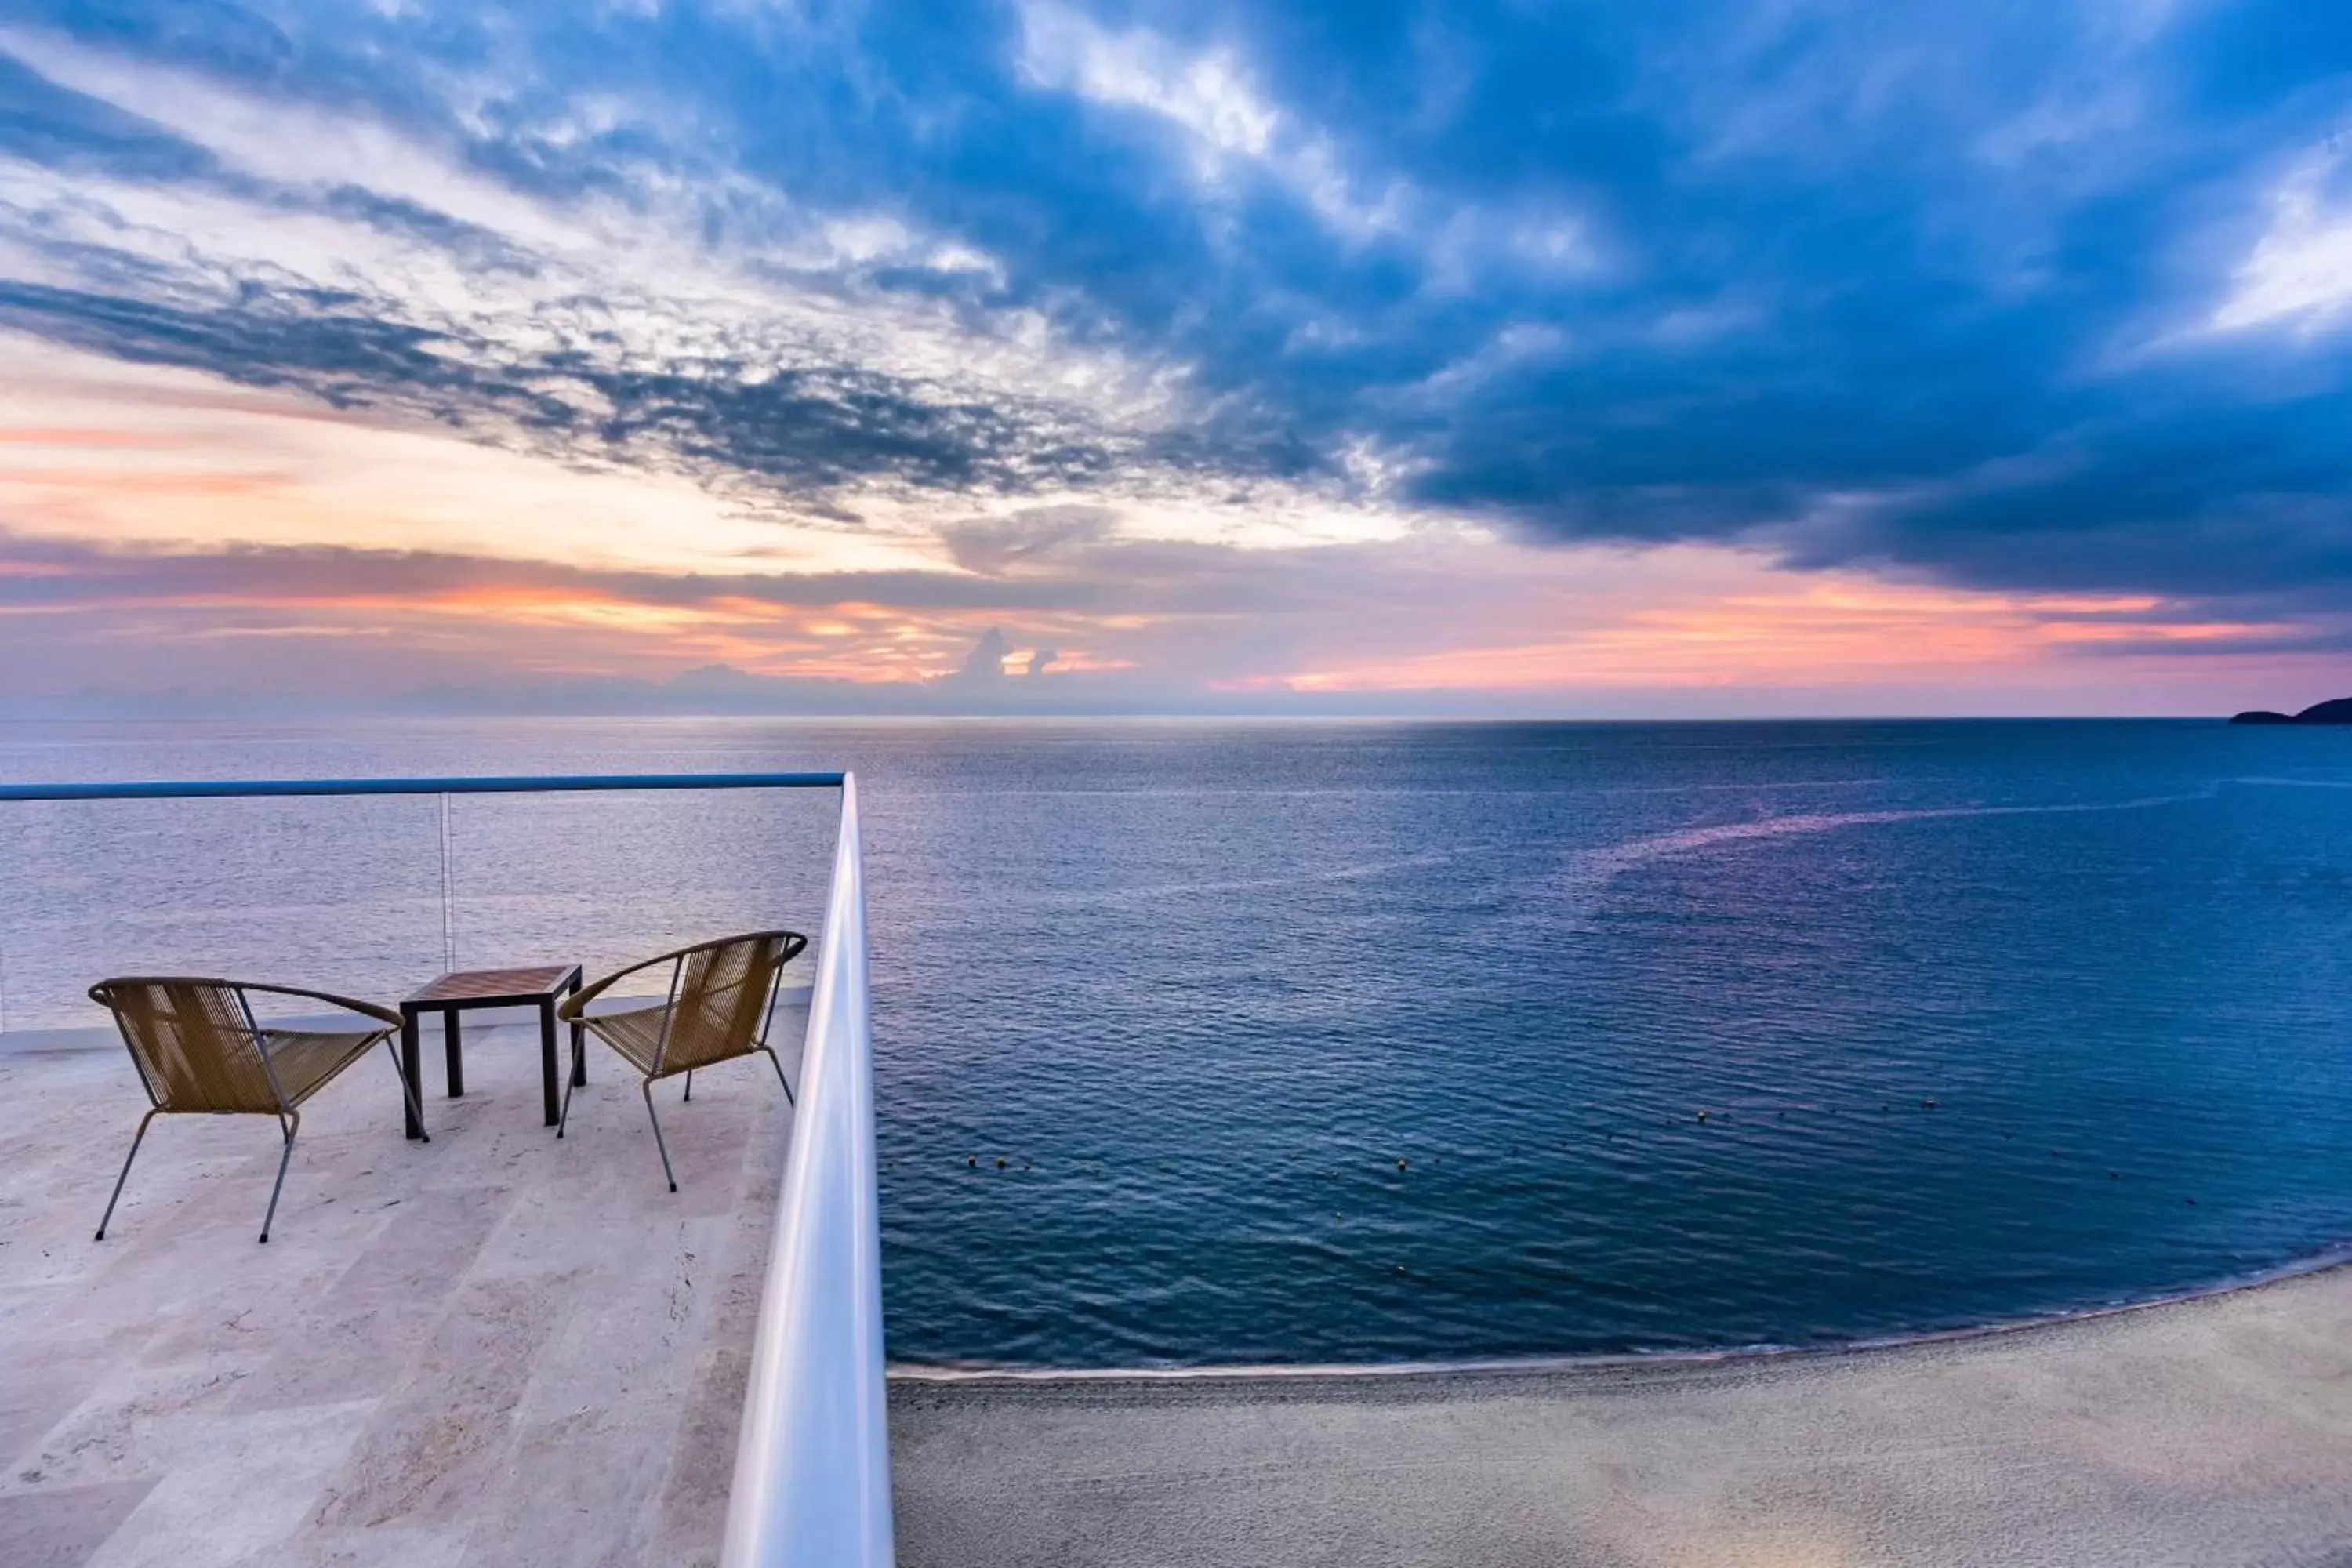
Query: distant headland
[[2338, 711]]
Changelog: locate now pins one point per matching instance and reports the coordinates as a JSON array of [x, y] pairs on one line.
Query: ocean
[[1212, 1042]]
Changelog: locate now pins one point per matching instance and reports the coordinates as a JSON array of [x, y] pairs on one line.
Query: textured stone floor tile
[[22, 1306], [357, 1338], [255, 1301], [36, 1391], [241, 1494], [438, 1450], [627, 1351], [542, 1231], [690, 1514], [386, 1546], [584, 1504], [140, 1422], [68, 1331], [62, 1527]]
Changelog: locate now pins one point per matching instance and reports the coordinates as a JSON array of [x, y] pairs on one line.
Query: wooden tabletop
[[481, 984]]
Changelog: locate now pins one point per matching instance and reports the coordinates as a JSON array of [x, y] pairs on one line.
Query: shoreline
[[2213, 1429], [981, 1375]]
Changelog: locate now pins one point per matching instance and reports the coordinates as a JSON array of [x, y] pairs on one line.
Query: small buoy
[[1000, 1163], [1926, 1105], [1702, 1116], [2113, 1177], [1400, 1166], [973, 1161], [2192, 1203], [1400, 1266]]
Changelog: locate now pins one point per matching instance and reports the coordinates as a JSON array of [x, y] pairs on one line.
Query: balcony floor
[[495, 1349]]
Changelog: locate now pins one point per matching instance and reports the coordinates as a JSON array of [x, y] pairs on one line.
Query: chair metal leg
[[284, 1155], [658, 1143], [565, 1116], [777, 1062], [135, 1139], [689, 1083], [408, 1092]]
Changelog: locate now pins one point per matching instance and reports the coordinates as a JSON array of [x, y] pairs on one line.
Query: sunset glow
[[489, 395]]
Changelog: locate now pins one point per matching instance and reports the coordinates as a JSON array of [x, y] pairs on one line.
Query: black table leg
[[454, 1060], [579, 1051], [412, 1069], [547, 1058]]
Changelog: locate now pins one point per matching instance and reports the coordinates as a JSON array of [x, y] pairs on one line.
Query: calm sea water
[[1348, 1042]]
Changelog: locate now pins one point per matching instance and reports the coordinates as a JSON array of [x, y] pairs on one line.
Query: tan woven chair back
[[723, 999], [193, 1044]]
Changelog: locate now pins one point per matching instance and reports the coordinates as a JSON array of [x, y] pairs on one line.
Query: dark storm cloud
[[806, 430], [1928, 288]]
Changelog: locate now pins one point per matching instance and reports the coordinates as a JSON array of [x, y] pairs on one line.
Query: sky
[[1584, 359]]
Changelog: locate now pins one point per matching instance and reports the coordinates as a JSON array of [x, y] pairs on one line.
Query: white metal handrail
[[812, 1464]]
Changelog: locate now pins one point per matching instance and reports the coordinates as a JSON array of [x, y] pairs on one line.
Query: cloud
[[2301, 270], [1118, 624], [984, 665], [1109, 313], [803, 357], [1024, 540], [38, 574], [1209, 98]]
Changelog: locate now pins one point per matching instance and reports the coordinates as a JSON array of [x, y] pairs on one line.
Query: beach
[[2209, 1432]]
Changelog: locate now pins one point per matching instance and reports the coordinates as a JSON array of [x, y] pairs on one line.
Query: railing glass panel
[[370, 892], [342, 895]]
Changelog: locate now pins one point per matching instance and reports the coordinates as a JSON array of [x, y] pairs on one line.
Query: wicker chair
[[721, 995], [200, 1051]]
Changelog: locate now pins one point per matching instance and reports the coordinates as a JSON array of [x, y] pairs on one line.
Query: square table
[[454, 994]]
